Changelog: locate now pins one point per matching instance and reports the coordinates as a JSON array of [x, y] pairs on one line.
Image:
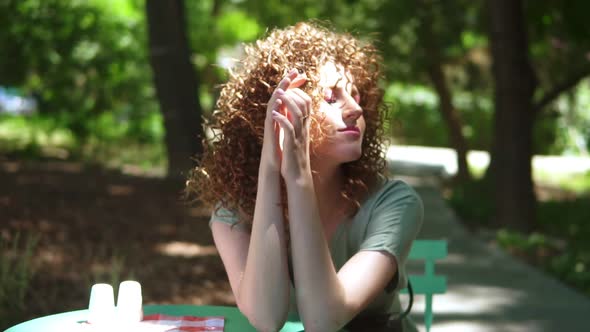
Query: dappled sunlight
[[453, 258], [95, 146], [10, 166], [475, 300], [444, 161], [52, 256], [64, 166], [120, 190], [479, 308], [134, 170], [186, 249], [96, 225], [483, 325], [167, 229]]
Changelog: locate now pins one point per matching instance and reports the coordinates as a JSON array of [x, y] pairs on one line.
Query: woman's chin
[[350, 156]]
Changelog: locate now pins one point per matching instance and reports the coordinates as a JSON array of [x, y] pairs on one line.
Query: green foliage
[[79, 59], [579, 183], [16, 271], [88, 64], [473, 201], [110, 273], [572, 116], [110, 144], [559, 245], [414, 119], [567, 219], [236, 26], [34, 136], [517, 241]]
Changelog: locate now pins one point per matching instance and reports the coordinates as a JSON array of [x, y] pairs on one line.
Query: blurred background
[[103, 102]]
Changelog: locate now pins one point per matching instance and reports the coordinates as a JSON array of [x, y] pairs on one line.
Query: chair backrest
[[428, 283]]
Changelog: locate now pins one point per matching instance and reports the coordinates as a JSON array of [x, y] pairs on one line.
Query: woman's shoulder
[[391, 190]]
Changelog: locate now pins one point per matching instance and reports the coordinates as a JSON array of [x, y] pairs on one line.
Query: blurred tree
[[79, 58], [176, 83], [216, 28], [560, 53], [422, 43], [518, 80], [434, 68], [512, 148]]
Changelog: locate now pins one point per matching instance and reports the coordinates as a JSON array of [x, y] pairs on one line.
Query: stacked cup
[[102, 310], [129, 309], [101, 307]]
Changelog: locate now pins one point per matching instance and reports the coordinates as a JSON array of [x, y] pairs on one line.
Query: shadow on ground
[[101, 226], [96, 225]]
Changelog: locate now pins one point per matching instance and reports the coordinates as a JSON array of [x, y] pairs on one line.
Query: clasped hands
[[286, 128]]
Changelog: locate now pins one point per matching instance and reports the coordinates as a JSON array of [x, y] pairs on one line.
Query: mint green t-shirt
[[388, 220]]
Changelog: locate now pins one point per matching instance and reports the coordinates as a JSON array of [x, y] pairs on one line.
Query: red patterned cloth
[[185, 323]]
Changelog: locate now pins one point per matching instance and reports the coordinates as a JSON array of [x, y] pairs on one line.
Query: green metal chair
[[428, 283]]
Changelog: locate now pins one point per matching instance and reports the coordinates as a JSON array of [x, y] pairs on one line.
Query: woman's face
[[343, 120]]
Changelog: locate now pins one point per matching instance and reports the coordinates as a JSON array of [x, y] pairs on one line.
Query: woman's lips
[[353, 129]]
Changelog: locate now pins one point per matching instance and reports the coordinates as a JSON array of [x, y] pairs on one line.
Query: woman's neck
[[328, 186]]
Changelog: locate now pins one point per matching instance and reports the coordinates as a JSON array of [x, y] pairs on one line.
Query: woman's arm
[[256, 263], [326, 299]]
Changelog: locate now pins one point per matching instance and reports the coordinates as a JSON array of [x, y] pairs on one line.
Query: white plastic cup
[[101, 307], [129, 303]]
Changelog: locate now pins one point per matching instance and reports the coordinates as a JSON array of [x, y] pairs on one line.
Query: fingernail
[[280, 91], [275, 113]]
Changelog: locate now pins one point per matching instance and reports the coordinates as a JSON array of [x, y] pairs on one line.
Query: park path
[[488, 290]]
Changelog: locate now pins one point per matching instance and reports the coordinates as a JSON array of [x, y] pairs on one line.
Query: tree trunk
[[176, 83], [452, 119], [437, 77], [512, 146]]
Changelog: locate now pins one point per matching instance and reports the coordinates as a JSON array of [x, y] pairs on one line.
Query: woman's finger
[[298, 81], [287, 80], [298, 100], [294, 113], [287, 127], [274, 106], [305, 104], [281, 88]]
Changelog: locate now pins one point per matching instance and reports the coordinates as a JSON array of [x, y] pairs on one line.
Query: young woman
[[294, 173]]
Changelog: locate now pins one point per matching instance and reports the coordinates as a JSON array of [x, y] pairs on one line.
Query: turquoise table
[[234, 320]]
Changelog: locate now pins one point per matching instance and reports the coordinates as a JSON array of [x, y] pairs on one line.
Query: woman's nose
[[352, 110]]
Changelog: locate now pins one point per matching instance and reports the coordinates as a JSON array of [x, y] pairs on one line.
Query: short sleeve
[[394, 221], [224, 215]]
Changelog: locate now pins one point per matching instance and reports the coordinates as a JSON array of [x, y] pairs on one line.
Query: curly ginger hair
[[227, 173]]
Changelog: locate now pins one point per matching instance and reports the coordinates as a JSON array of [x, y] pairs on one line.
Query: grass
[[560, 243], [42, 137], [16, 272]]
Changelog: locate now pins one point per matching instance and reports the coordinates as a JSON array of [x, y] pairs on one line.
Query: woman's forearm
[[264, 289], [320, 296]]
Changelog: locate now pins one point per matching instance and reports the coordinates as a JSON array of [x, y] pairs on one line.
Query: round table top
[[234, 320]]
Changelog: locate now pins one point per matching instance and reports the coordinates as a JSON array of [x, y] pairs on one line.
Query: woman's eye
[[330, 97]]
